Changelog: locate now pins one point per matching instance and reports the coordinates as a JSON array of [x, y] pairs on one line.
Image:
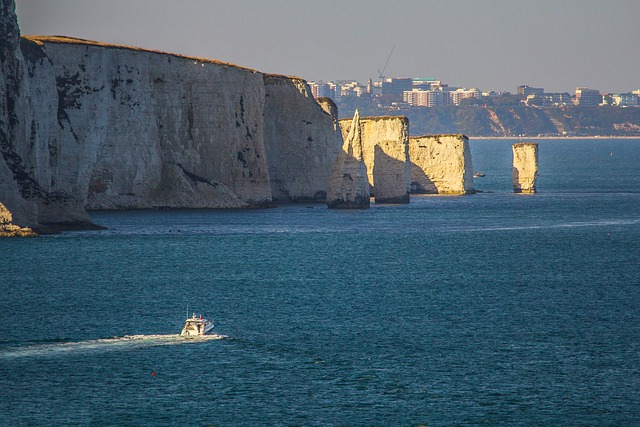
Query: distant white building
[[460, 94], [439, 97], [426, 98], [625, 99], [350, 88]]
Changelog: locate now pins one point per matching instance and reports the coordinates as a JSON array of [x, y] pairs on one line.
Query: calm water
[[492, 309]]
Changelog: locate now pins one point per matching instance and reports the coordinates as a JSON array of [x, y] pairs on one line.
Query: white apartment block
[[438, 98]]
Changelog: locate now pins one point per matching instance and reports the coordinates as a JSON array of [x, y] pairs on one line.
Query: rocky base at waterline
[[8, 229]]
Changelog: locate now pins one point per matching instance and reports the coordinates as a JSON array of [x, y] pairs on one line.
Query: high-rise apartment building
[[625, 99], [427, 98], [528, 90], [392, 89], [588, 97]]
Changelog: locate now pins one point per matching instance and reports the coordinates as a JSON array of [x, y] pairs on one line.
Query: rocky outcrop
[[329, 107], [348, 186], [525, 167], [441, 164], [8, 228], [385, 145], [301, 140]]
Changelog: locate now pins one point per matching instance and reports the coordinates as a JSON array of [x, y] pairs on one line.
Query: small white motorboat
[[196, 326]]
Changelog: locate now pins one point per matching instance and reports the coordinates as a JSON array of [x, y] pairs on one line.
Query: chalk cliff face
[[348, 186], [525, 167], [13, 208], [85, 125], [385, 145], [302, 140], [29, 203], [441, 164], [139, 129]]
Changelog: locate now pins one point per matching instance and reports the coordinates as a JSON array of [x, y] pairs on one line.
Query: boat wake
[[572, 224], [125, 343]]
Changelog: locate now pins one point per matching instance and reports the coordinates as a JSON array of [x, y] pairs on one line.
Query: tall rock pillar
[[525, 167], [348, 186], [441, 164], [385, 145]]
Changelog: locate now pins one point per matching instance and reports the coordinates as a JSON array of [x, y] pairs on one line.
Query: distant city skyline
[[487, 44]]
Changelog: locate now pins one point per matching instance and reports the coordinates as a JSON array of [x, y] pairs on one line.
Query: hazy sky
[[488, 44]]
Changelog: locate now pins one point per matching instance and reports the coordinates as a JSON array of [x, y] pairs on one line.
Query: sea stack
[[385, 147], [525, 167], [348, 186], [441, 164]]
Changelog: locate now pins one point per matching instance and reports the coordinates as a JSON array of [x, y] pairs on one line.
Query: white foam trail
[[601, 223], [126, 342]]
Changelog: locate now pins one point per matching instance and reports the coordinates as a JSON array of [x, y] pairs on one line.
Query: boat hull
[[196, 327]]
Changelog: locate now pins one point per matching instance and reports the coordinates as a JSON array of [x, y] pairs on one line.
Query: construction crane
[[381, 73]]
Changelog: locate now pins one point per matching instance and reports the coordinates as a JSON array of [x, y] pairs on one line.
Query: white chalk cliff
[[134, 123], [14, 209], [385, 145], [348, 186], [525, 167], [27, 203], [441, 164], [86, 125], [302, 140]]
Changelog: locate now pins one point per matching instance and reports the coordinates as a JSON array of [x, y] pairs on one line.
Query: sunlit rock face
[[525, 167], [348, 186], [385, 146], [441, 164], [8, 228], [301, 139]]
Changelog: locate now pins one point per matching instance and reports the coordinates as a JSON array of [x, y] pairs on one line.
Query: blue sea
[[488, 309]]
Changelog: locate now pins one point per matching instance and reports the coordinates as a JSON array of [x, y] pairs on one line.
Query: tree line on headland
[[506, 117]]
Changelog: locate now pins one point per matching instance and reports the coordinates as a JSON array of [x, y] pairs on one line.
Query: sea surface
[[488, 309]]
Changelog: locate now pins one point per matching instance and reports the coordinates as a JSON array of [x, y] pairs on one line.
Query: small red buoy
[[153, 373]]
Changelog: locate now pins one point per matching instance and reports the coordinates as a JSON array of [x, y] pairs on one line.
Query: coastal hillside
[[512, 120]]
